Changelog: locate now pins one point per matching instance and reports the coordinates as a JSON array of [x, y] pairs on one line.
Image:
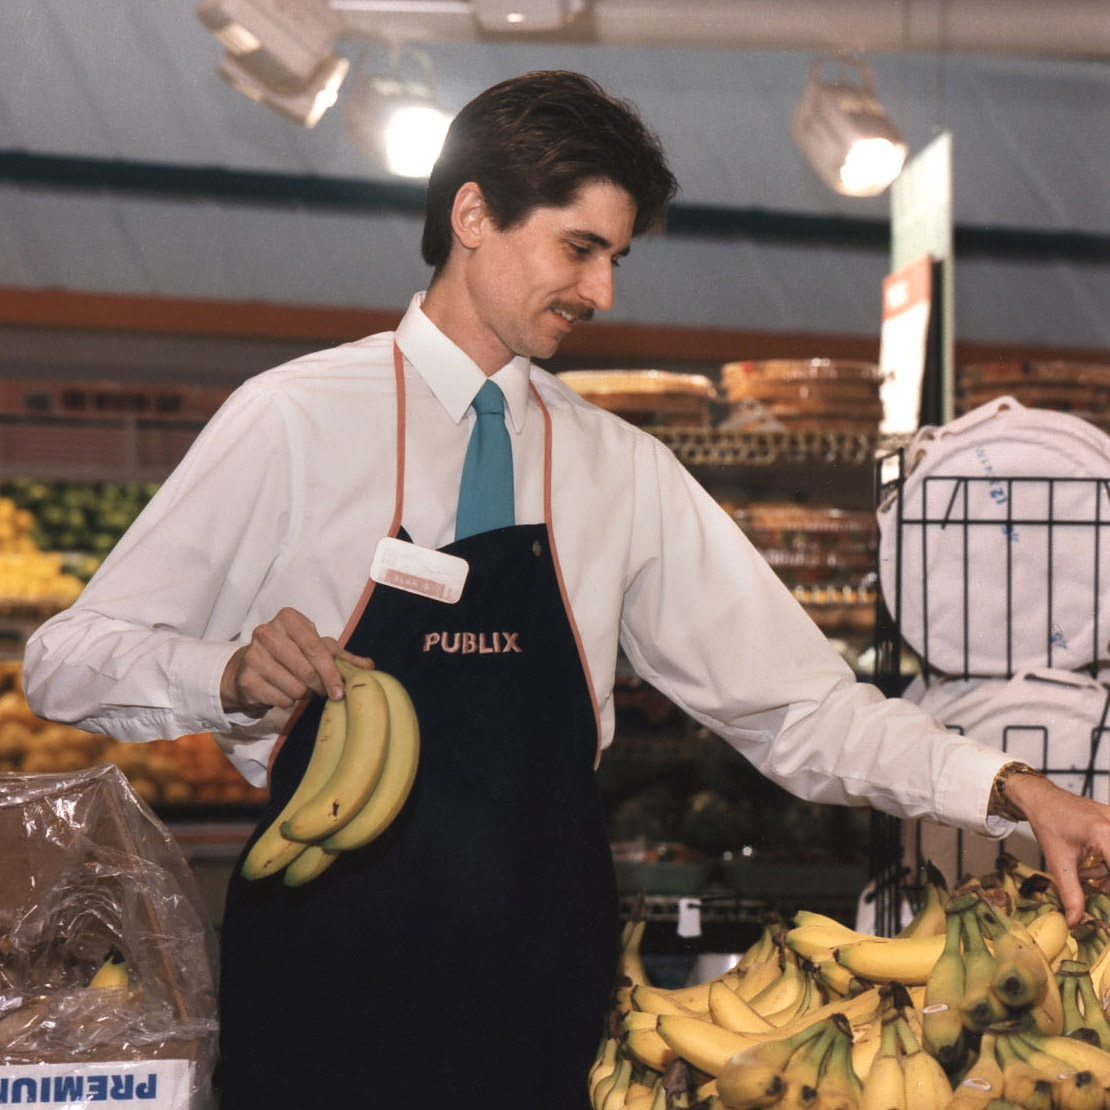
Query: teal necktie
[[486, 492]]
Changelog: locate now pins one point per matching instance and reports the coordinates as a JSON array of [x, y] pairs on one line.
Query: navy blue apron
[[466, 955]]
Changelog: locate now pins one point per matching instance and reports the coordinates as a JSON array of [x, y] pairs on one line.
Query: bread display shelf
[[696, 447]]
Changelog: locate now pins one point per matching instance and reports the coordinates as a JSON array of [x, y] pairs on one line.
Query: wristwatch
[[1001, 806]]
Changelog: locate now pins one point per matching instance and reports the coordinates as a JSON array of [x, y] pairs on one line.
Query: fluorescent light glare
[[871, 162], [413, 139], [395, 120], [846, 135]]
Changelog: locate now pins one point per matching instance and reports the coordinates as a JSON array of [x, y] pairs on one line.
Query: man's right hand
[[286, 659]]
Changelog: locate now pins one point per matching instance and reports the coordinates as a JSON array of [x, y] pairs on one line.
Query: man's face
[[530, 284]]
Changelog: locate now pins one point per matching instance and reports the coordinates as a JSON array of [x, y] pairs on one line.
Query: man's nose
[[596, 285]]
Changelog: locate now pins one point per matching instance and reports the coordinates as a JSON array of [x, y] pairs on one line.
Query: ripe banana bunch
[[1082, 1012], [359, 775], [903, 1075], [929, 919], [1037, 1072], [995, 1002]]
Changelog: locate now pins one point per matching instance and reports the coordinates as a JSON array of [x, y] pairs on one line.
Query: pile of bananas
[[986, 1000], [359, 775]]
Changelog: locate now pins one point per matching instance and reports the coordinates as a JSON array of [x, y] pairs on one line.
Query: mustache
[[576, 312]]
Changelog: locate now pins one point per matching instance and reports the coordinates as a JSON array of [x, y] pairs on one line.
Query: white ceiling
[[1024, 89], [1065, 28]]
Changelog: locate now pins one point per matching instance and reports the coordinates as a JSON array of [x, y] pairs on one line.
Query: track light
[[394, 119], [280, 54], [845, 134]]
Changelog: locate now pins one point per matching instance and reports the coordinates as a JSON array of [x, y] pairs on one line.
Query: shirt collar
[[451, 374]]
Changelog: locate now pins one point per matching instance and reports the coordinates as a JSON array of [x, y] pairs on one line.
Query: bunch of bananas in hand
[[359, 775]]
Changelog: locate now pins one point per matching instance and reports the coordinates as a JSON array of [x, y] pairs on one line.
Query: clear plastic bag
[[92, 878]]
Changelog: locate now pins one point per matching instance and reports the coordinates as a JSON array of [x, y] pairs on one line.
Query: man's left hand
[[1073, 833]]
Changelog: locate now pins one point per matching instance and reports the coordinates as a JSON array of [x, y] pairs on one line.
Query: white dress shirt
[[285, 494]]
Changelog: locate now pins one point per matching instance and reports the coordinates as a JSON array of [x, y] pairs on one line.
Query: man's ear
[[469, 215]]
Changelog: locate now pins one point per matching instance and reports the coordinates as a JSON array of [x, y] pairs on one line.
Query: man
[[467, 954]]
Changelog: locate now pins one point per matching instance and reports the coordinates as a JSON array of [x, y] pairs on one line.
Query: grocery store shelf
[[696, 447]]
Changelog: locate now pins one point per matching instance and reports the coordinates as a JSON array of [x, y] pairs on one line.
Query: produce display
[[187, 771], [359, 774], [986, 1000], [77, 516], [27, 573]]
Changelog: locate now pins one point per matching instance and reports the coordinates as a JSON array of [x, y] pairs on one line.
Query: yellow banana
[[1025, 1085], [619, 1073], [360, 764], [273, 850], [1078, 1090], [884, 1083], [1080, 1006], [980, 1006], [929, 919], [759, 976], [1050, 932], [603, 1065], [836, 981], [839, 1087], [630, 962], [906, 960], [763, 947], [927, 1086], [617, 1094], [807, 1001], [637, 1019], [630, 965], [1076, 1054], [816, 932], [701, 1043], [695, 997], [1022, 975], [397, 776], [113, 973], [732, 1012], [1091, 936], [312, 862], [1098, 972], [785, 990], [648, 1048], [651, 1000], [982, 1081], [639, 1096], [943, 1031], [802, 1071], [752, 1077]]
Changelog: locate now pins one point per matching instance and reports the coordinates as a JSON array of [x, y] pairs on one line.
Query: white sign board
[[87, 1085]]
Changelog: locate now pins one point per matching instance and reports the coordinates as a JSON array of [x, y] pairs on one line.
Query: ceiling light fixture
[[396, 119], [844, 132], [280, 53], [526, 15]]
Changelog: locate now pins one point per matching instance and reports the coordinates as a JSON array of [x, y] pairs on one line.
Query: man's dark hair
[[533, 141]]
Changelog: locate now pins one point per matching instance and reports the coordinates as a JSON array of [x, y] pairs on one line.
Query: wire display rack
[[1030, 598]]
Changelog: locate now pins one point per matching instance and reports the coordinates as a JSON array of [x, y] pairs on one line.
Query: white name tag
[[419, 570]]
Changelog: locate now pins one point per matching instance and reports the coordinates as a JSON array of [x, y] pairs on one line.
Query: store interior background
[[159, 228]]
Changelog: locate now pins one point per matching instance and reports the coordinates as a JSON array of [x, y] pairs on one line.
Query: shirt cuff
[[964, 788], [196, 670]]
